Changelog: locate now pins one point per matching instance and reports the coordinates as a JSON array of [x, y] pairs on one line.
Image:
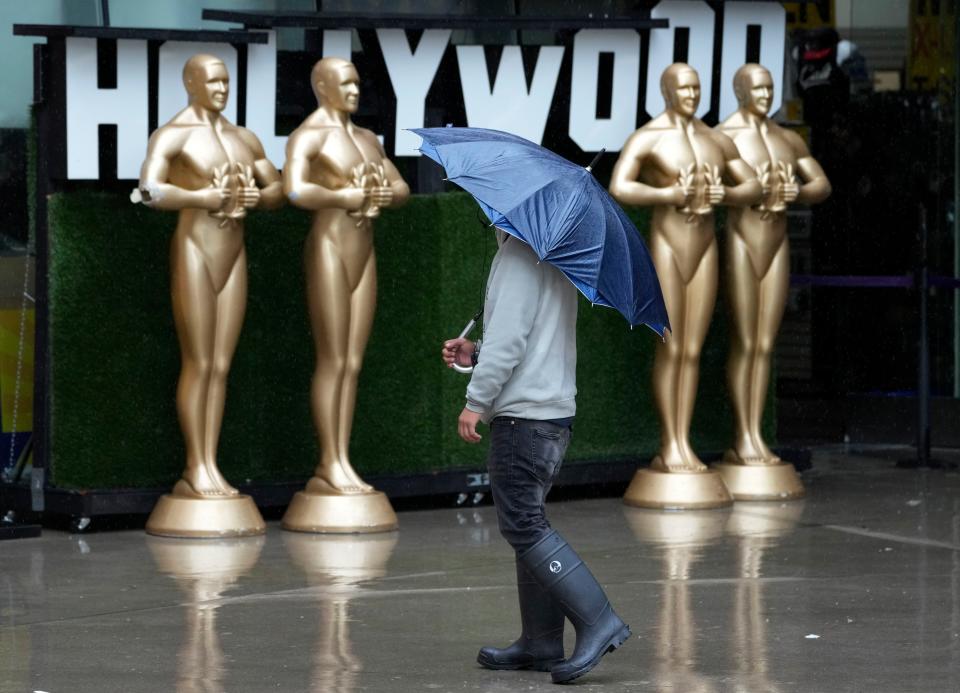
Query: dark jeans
[[525, 458]]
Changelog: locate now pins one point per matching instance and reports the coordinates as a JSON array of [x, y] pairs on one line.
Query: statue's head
[[753, 86], [207, 83], [680, 86], [336, 84]]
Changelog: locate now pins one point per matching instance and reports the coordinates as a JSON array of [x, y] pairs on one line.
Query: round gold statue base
[[677, 490], [345, 513], [217, 517], [768, 482]]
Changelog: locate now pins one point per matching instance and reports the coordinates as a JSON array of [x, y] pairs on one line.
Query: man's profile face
[[683, 93], [759, 93], [210, 86], [341, 88]]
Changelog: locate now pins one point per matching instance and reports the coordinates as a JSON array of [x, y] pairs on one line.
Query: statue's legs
[[666, 361], [329, 301], [756, 308], [363, 303], [700, 299], [743, 293], [195, 313], [231, 308], [774, 288]]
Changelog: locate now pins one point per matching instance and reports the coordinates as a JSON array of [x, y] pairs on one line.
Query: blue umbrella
[[560, 210]]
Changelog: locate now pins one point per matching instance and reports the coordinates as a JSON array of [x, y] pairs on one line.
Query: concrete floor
[[855, 589]]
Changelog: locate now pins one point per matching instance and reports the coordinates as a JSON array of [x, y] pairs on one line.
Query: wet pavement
[[856, 588]]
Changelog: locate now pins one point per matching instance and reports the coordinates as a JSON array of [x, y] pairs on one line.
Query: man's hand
[[458, 351], [467, 426]]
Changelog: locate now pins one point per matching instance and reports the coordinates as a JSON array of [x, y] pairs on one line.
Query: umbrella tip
[[596, 159]]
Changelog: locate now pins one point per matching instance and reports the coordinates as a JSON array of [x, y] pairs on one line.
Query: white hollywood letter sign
[[737, 16], [89, 107], [508, 105], [171, 97], [591, 133], [698, 17], [411, 73], [338, 43], [262, 98], [262, 88]]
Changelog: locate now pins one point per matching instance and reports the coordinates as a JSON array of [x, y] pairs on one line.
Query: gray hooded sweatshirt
[[527, 365]]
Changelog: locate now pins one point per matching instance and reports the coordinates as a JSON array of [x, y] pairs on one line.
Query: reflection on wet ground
[[857, 588], [204, 570]]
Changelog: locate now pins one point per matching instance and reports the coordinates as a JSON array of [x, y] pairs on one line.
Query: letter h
[[89, 107]]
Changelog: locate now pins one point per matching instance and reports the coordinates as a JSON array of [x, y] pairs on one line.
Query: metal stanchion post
[[923, 375], [956, 236], [956, 208], [922, 282]]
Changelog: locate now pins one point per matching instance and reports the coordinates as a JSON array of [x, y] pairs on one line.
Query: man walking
[[524, 387]]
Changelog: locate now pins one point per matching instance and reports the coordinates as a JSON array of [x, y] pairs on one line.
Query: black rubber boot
[[558, 568], [540, 645]]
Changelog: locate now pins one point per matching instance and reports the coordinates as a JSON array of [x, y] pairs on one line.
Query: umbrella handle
[[466, 370]]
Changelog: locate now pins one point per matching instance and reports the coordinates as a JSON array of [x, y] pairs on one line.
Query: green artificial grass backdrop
[[115, 359]]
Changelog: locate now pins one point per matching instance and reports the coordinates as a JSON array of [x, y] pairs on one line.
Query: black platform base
[[459, 487], [13, 530]]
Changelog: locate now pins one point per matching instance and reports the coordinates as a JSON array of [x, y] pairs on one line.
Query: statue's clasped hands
[[368, 192], [697, 203], [779, 195], [789, 185], [219, 193]]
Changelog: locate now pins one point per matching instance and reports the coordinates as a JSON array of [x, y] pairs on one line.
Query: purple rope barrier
[[905, 281], [949, 282]]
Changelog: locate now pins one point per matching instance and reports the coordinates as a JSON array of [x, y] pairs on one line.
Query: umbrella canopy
[[560, 210]]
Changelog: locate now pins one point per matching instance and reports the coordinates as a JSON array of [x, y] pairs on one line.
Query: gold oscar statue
[[339, 172], [680, 539], [757, 264], [337, 568], [204, 570], [681, 168], [211, 172]]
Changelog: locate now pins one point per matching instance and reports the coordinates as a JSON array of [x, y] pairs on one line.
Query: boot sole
[[613, 643], [536, 665]]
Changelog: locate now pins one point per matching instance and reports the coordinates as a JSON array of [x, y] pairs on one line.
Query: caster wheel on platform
[[79, 525]]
